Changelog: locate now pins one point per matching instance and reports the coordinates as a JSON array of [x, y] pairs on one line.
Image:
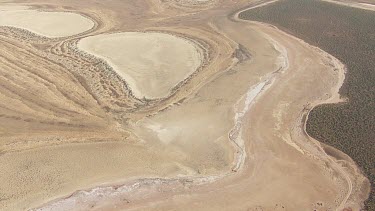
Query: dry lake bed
[[163, 105]]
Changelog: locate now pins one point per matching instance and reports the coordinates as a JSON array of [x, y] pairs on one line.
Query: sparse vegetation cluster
[[349, 35]]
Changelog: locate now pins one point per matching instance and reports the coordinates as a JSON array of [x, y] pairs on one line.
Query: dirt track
[[229, 137]]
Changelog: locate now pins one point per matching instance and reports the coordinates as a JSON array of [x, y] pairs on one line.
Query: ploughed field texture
[[349, 35]]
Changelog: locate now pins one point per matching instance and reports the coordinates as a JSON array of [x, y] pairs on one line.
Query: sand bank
[[359, 5], [178, 154], [151, 63], [49, 24]]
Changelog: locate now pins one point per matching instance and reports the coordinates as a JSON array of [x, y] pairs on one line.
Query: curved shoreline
[[132, 80], [358, 5], [199, 44], [234, 136], [198, 180], [242, 107], [48, 34], [333, 99]]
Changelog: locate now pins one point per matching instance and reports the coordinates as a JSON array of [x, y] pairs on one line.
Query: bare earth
[[364, 4], [164, 105], [49, 24], [151, 63]]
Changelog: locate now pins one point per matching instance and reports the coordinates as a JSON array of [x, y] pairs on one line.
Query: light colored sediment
[[259, 162], [231, 137], [49, 24], [355, 4], [151, 63], [237, 191], [85, 199]]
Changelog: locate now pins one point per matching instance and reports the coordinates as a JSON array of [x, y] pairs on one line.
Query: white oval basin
[[48, 24], [151, 63]]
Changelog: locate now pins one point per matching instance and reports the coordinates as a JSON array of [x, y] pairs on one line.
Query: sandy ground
[[229, 137], [50, 24], [356, 4], [151, 63]]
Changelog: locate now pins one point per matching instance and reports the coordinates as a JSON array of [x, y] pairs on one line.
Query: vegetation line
[[348, 34]]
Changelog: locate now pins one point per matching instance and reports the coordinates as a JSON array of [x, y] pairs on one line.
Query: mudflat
[[151, 63], [49, 24], [189, 109]]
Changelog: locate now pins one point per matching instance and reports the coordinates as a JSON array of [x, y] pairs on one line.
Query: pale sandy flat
[[230, 138], [49, 24], [355, 4], [151, 63]]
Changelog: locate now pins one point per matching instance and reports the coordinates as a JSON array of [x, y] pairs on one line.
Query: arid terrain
[[361, 4], [164, 105]]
